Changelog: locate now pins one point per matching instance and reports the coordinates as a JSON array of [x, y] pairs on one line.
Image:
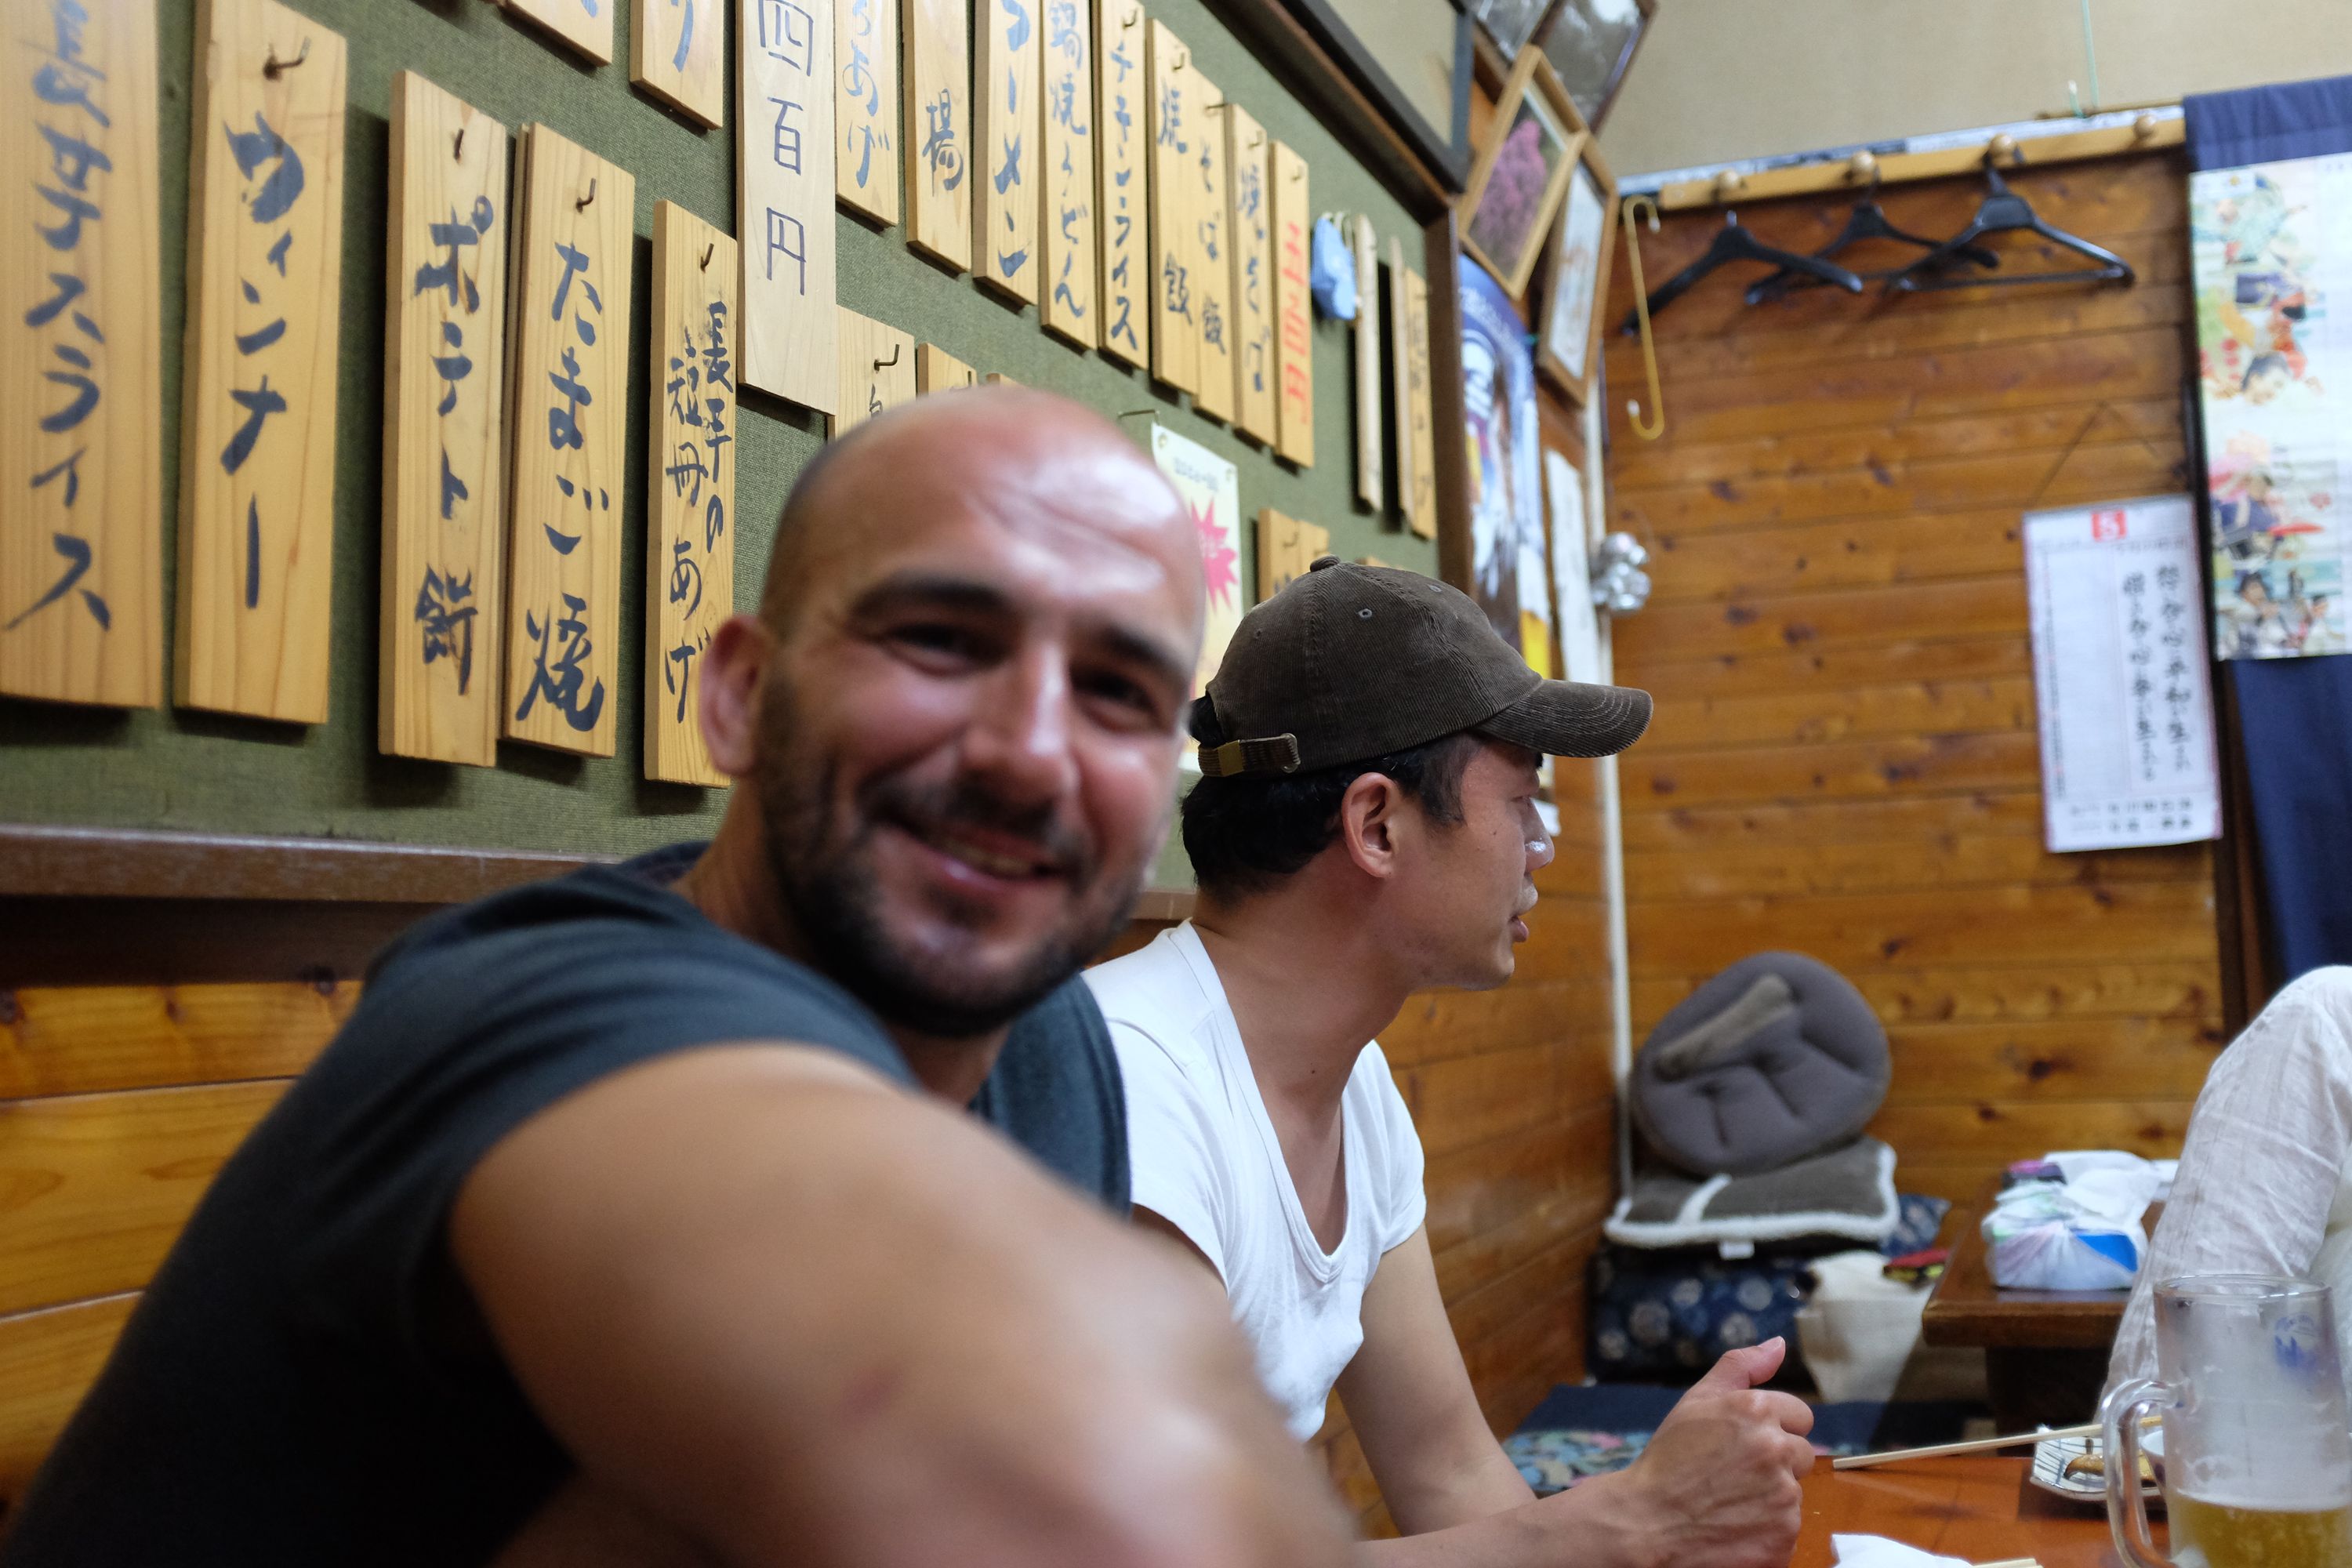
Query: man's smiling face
[[968, 727]]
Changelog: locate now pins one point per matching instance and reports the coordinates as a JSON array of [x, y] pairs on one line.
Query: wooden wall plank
[[47, 1358], [680, 56], [689, 543], [1007, 128], [81, 565], [80, 1040], [1892, 865], [569, 402], [784, 197], [1175, 122], [866, 110], [1860, 932], [1986, 993], [257, 417], [939, 159], [445, 453], [99, 1185], [1123, 180], [1068, 236]]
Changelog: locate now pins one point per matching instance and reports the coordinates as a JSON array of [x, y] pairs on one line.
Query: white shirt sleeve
[[1404, 1203], [2266, 1150], [1176, 1161]]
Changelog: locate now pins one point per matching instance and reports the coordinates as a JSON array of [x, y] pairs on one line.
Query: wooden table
[[2045, 1351], [1977, 1508]]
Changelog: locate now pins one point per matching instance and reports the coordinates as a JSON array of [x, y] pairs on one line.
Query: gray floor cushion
[[1777, 1057]]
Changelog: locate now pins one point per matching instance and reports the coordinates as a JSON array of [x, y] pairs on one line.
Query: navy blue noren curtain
[[2295, 714]]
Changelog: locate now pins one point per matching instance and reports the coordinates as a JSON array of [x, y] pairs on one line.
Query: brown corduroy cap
[[1350, 662]]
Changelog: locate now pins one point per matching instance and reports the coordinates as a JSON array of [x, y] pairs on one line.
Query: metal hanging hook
[[273, 66], [460, 154], [582, 205], [1657, 423], [886, 363], [707, 252]]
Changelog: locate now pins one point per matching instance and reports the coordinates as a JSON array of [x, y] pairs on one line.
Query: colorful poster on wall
[[1210, 487], [2119, 676], [1505, 463], [2270, 243]]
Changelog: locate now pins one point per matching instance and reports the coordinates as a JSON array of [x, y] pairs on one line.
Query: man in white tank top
[[1366, 827]]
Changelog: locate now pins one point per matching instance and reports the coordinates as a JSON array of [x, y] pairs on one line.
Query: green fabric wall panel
[[207, 773]]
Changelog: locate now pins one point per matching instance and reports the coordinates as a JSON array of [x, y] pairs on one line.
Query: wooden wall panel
[[1844, 759]]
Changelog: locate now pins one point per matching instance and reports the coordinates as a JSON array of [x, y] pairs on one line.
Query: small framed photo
[[1579, 287], [1522, 174], [1590, 43], [1512, 23]]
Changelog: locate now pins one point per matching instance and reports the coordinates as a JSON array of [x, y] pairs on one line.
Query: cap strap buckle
[[1269, 754]]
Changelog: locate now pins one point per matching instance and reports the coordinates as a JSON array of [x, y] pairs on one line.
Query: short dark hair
[[1247, 832]]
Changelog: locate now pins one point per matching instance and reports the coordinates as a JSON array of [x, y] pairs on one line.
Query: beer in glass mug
[[2257, 1443]]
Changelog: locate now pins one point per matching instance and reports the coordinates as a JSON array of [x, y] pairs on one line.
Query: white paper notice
[[2119, 674], [1572, 550]]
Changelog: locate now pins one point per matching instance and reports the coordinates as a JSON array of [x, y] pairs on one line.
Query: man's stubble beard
[[819, 865]]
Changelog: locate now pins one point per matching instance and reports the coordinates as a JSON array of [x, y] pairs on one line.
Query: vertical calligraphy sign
[[1065, 302], [876, 371], [783, 170], [1287, 549], [935, 143], [936, 370], [1371, 482], [1400, 366], [1253, 276], [1213, 253], [569, 398], [691, 484], [444, 462], [82, 569], [1420, 438], [1007, 129], [866, 110], [682, 56], [1121, 86], [1294, 340], [585, 24], [258, 427], [1175, 330]]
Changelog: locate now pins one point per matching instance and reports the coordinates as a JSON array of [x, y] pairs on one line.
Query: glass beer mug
[[2256, 1454]]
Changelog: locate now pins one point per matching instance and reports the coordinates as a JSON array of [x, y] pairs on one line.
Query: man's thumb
[[1748, 1368]]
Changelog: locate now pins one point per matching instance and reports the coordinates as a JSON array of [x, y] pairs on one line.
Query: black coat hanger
[[2004, 211], [1734, 243], [1868, 220]]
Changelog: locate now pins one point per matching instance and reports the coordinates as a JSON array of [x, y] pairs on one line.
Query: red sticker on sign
[[2107, 525]]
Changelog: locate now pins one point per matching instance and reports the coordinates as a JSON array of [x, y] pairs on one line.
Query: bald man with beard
[[754, 1203]]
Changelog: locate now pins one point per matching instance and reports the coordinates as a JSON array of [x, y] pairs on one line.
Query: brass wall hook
[[582, 205], [707, 252], [1657, 422], [274, 67], [886, 363]]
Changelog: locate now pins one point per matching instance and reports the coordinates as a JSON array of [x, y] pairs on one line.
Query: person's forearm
[[1582, 1527], [832, 1323]]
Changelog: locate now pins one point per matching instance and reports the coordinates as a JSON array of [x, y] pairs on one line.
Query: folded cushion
[[1848, 1193], [1773, 1059]]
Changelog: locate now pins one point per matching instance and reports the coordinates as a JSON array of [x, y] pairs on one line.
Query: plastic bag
[[2067, 1235]]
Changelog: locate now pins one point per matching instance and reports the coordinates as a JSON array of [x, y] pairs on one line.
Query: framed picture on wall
[[1512, 23], [1414, 60], [1580, 255], [1591, 44], [1506, 508], [1522, 174]]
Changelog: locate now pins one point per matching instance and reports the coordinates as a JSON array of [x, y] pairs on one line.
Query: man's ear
[[1372, 815], [730, 702]]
